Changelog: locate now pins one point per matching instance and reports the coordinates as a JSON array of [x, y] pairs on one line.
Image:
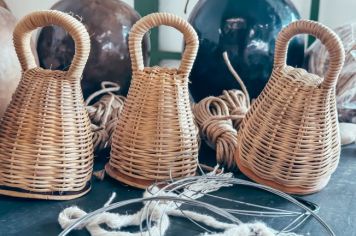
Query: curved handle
[[153, 20], [331, 41], [24, 28]]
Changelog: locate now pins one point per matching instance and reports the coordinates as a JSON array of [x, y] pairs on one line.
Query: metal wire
[[113, 206], [228, 214], [179, 184]]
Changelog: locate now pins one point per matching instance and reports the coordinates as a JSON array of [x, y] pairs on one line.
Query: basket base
[[131, 181], [290, 190], [20, 193], [134, 182]]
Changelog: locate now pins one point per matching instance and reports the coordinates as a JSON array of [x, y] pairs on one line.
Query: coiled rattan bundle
[[104, 114], [289, 139], [219, 119], [155, 137], [46, 148]]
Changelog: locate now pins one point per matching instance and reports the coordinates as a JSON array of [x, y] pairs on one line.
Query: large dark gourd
[[247, 30], [108, 23]]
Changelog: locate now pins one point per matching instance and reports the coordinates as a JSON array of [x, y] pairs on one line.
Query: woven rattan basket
[[45, 138], [156, 137], [289, 139]]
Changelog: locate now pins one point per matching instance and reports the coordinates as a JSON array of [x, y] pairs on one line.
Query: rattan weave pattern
[[289, 139], [46, 147], [156, 137]]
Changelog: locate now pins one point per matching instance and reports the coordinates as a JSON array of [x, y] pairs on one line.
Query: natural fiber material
[[212, 116], [160, 220], [154, 217], [289, 139], [104, 114], [318, 59], [219, 119], [46, 146], [155, 137]]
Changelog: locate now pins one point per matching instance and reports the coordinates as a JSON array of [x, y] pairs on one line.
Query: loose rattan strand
[[156, 137], [289, 139], [46, 149]]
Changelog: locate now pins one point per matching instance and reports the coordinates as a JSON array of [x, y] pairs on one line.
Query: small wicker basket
[[46, 149], [156, 138], [289, 139]]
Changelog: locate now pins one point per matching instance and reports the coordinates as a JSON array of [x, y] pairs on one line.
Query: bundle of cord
[[219, 119], [104, 114]]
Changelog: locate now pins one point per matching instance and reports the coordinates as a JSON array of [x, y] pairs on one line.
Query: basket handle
[[24, 28], [153, 20], [325, 35]]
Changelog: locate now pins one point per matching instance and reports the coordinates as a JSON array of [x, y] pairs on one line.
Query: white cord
[[160, 211]]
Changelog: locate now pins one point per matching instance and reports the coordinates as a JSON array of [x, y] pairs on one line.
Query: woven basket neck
[[43, 74], [161, 72], [301, 76], [326, 36]]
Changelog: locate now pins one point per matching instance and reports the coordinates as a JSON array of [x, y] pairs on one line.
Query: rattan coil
[[46, 148], [289, 139], [156, 138]]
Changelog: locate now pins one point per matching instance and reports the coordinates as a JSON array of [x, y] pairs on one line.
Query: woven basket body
[[156, 138], [45, 139], [289, 139]]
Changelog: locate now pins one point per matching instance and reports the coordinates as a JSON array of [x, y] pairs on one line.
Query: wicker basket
[[289, 139], [156, 138], [46, 147]]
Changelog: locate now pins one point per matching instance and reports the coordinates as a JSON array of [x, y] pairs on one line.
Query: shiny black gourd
[[247, 30], [108, 23]]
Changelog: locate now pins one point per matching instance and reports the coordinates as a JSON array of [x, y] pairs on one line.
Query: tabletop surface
[[39, 218]]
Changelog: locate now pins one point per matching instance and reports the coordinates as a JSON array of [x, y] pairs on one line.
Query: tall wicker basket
[[155, 138], [46, 147], [290, 139]]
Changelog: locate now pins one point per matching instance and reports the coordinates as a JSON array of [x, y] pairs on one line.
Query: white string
[[111, 199], [159, 212]]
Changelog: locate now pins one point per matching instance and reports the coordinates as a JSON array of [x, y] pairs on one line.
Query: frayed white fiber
[[159, 212]]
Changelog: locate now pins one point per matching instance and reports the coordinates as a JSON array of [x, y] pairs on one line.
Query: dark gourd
[[108, 23], [247, 30]]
